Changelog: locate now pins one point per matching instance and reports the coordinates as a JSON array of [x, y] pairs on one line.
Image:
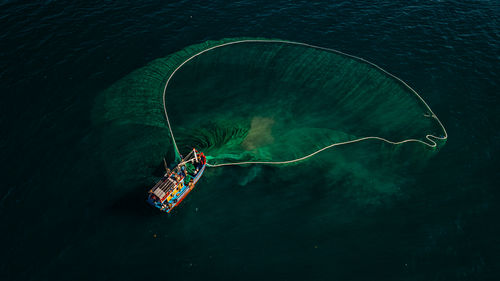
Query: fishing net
[[261, 101], [278, 101]]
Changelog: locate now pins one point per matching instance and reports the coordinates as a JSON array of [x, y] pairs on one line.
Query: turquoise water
[[73, 197]]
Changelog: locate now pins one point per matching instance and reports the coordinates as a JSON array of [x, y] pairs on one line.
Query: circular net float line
[[431, 138]]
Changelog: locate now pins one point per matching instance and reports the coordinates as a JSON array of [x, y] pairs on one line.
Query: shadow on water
[[133, 203]]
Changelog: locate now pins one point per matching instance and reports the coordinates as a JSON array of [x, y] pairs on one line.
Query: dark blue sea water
[[63, 216]]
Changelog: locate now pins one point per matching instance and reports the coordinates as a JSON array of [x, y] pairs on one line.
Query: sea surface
[[69, 210]]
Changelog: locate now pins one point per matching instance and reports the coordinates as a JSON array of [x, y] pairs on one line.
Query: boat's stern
[[154, 201]]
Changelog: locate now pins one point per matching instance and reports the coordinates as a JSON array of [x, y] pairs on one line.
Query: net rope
[[431, 138]]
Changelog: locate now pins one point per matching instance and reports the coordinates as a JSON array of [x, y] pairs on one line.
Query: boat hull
[[186, 192], [175, 185]]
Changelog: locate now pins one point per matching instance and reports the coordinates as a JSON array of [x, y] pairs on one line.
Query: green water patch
[[281, 101], [268, 101]]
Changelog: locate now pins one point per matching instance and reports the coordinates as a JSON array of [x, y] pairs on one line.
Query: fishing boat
[[176, 184]]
